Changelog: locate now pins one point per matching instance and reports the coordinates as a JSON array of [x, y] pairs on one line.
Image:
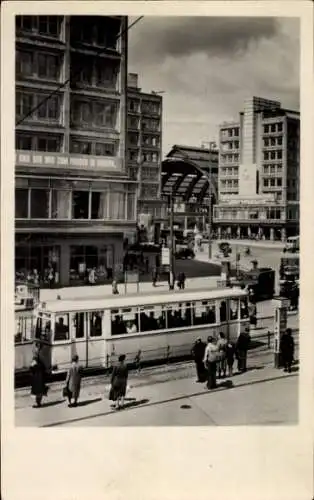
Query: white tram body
[[160, 326]]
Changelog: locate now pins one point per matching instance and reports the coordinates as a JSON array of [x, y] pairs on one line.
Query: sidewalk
[[161, 403], [277, 245]]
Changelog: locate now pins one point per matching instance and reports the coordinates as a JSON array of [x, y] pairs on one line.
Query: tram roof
[[147, 299]]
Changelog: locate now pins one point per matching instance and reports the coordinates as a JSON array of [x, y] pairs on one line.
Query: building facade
[[144, 150], [74, 199], [259, 166]]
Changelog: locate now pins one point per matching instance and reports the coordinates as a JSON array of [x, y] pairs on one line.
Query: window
[[133, 122], [273, 141], [266, 142], [266, 181], [236, 144], [279, 141], [105, 149], [279, 127], [80, 147], [79, 325], [60, 204], [133, 105], [25, 23], [266, 155], [117, 205], [24, 103], [244, 310], [50, 109], [80, 202], [48, 66], [24, 63], [62, 327], [279, 169], [266, 169], [95, 323], [106, 74], [272, 169], [23, 142], [48, 144], [204, 313], [279, 155], [49, 25], [40, 203], [273, 127], [272, 182], [124, 321], [105, 115], [99, 205], [266, 129], [21, 203], [230, 132], [279, 182], [273, 155]]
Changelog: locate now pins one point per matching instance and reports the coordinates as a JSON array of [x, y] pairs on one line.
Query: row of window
[[272, 169], [229, 158], [95, 114], [39, 65], [52, 143], [152, 124], [61, 204], [273, 155], [273, 141], [273, 128], [233, 183], [149, 192], [229, 171], [230, 145], [151, 174], [146, 106], [145, 157], [234, 213], [274, 182], [229, 132], [91, 30], [147, 140], [292, 183]]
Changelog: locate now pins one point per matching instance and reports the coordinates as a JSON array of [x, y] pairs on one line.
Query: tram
[[159, 326]]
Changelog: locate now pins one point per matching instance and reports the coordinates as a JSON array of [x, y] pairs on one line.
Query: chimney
[[133, 80]]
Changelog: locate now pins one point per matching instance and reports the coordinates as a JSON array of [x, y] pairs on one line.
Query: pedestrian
[[181, 281], [154, 276], [210, 361], [253, 314], [287, 350], [115, 290], [242, 347], [73, 381], [230, 350], [222, 363], [198, 351], [138, 361], [38, 376], [119, 379]]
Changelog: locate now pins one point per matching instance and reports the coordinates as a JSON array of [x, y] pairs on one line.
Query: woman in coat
[[73, 381], [119, 379], [38, 377]]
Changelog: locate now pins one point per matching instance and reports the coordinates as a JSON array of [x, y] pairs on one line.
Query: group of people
[[72, 388], [217, 357]]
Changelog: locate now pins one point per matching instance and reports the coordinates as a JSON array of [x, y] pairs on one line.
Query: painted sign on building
[[247, 179]]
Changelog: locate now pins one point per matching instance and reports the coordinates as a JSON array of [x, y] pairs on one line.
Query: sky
[[208, 66]]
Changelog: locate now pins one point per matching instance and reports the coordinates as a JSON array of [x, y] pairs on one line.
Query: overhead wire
[[63, 84]]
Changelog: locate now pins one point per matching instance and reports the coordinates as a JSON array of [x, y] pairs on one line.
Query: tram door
[[79, 337], [96, 341]]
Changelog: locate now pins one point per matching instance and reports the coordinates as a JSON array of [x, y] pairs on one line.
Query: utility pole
[[209, 219], [171, 251]]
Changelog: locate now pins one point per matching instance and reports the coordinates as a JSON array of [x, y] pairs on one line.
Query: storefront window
[[99, 205], [90, 264], [80, 204], [38, 264], [39, 203], [21, 203], [60, 204]]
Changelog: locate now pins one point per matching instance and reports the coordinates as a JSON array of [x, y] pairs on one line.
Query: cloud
[[209, 72], [162, 37]]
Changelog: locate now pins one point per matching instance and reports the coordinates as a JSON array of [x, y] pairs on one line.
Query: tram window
[[204, 312], [174, 315], [62, 327], [43, 327], [223, 311], [124, 321], [152, 318], [186, 313], [96, 323], [234, 308], [79, 325], [244, 310]]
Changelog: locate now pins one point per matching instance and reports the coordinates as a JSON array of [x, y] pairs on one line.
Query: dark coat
[[287, 347], [243, 342], [73, 380], [38, 374], [119, 379], [198, 351]]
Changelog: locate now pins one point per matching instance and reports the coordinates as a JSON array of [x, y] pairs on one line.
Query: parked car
[[184, 252]]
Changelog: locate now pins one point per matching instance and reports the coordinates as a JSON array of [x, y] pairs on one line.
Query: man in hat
[[210, 361], [198, 351]]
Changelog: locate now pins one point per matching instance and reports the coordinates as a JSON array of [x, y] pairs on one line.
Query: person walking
[[222, 363], [73, 381], [115, 290], [230, 350], [287, 350], [198, 351], [154, 276], [210, 361], [242, 347], [119, 379], [181, 281], [38, 376]]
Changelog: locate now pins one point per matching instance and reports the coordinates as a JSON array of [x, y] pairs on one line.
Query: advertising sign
[[165, 256]]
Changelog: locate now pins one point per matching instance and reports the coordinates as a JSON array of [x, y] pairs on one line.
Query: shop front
[[64, 260]]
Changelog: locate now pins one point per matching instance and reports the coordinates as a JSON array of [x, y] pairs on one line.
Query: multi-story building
[[74, 198], [259, 163], [144, 146]]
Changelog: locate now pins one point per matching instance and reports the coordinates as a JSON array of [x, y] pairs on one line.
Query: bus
[[292, 244], [159, 326]]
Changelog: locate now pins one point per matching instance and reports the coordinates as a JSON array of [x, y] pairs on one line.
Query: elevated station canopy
[[188, 172]]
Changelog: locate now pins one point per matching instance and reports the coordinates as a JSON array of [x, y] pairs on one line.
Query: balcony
[[58, 161]]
